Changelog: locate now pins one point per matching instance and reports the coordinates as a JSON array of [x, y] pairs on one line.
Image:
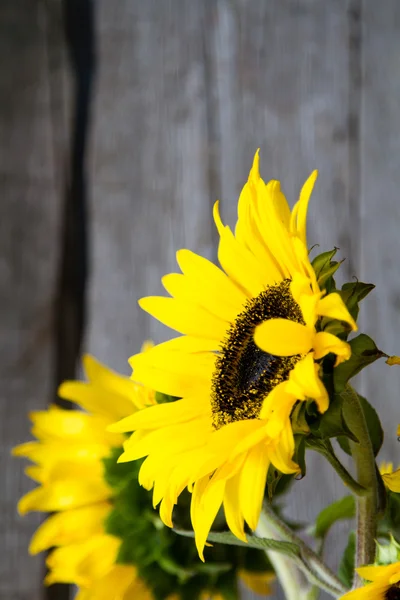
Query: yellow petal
[[70, 527], [325, 342], [107, 392], [252, 484], [117, 584], [281, 452], [240, 264], [83, 563], [385, 468], [64, 495], [392, 480], [299, 213], [282, 337], [372, 591], [202, 270], [232, 508], [332, 306], [276, 409], [258, 582], [304, 383], [206, 502], [375, 573], [212, 299], [163, 415], [393, 360], [184, 316]]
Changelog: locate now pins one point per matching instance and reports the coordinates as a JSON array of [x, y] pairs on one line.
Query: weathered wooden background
[[186, 91]]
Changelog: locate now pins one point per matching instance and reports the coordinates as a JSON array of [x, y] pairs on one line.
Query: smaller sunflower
[[384, 583], [106, 538], [68, 465]]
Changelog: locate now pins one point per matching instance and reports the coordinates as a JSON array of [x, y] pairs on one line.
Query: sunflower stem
[[288, 575], [326, 450], [363, 456], [316, 571]]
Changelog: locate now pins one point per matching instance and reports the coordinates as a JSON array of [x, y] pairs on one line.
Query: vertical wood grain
[[29, 233], [150, 167], [380, 208]]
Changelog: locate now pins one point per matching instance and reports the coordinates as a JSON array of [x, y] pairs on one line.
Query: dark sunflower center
[[244, 373], [393, 593]]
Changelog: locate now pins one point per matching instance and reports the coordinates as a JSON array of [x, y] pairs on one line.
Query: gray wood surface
[[29, 248], [186, 92]]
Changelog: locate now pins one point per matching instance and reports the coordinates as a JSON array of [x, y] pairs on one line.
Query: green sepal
[[299, 419], [331, 424], [387, 554], [347, 563], [352, 293], [363, 353], [324, 268], [164, 398], [342, 509], [373, 422], [390, 523]]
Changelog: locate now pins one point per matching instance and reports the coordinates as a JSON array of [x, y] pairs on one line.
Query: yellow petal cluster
[[382, 580], [67, 464], [390, 478], [186, 442]]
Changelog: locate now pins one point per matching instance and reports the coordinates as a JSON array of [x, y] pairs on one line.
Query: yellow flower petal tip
[[393, 360]]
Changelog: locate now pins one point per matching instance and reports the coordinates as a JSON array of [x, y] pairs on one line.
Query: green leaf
[[346, 566], [387, 554], [325, 268], [344, 444], [372, 420], [344, 508], [373, 423], [225, 537], [164, 398], [331, 424], [363, 353], [352, 294], [390, 524]]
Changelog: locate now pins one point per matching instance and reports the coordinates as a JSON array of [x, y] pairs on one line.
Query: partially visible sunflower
[[105, 539], [68, 465], [237, 394], [384, 583]]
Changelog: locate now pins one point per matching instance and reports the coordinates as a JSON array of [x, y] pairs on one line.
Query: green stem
[[311, 564], [287, 573], [363, 455], [326, 450]]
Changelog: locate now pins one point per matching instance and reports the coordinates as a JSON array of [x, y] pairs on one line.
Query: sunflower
[[384, 583], [236, 391], [68, 465], [101, 531]]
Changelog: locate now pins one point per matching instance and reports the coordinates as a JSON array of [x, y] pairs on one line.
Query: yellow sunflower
[[236, 391], [68, 465], [384, 583]]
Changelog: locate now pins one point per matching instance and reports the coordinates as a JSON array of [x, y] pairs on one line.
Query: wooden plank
[[29, 231], [380, 208], [151, 195]]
